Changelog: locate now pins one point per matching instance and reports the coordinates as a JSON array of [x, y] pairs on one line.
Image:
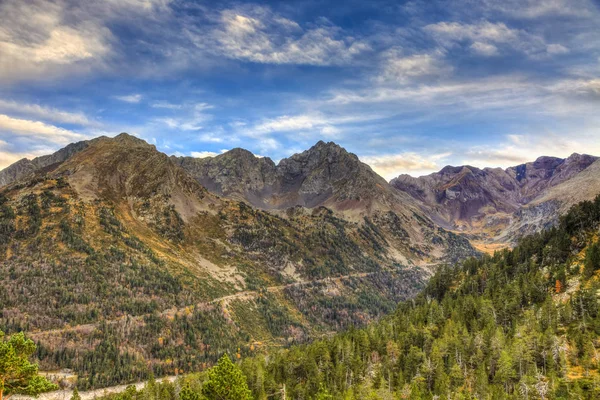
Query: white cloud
[[192, 120], [199, 107], [215, 138], [401, 69], [485, 38], [315, 124], [181, 124], [577, 86], [46, 113], [45, 40], [391, 165], [531, 9], [521, 148], [485, 49], [37, 129], [203, 154], [167, 105], [557, 49], [258, 35], [36, 43], [130, 98]]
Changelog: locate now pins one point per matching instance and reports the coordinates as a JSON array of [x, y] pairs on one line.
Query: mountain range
[[111, 244]]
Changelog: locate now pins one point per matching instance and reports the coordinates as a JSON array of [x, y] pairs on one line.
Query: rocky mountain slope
[[497, 205], [25, 167], [324, 175], [116, 256]]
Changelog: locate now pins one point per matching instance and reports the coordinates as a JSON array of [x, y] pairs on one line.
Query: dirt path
[[222, 301], [89, 395], [250, 294]]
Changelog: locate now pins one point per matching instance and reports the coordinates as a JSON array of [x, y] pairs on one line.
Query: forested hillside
[[119, 265], [522, 324]]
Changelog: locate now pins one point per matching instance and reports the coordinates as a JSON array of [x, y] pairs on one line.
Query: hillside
[[119, 264], [493, 205], [521, 324]]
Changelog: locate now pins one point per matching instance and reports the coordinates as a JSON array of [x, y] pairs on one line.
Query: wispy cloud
[[37, 129], [391, 165], [46, 113], [529, 9], [286, 123], [256, 34], [490, 39], [191, 117], [520, 148], [130, 98], [203, 154], [399, 68]]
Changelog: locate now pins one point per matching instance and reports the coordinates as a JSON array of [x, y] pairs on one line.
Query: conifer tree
[[187, 393], [75, 395], [226, 382], [17, 374]]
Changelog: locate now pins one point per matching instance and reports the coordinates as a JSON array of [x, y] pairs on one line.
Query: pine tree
[[187, 393], [226, 382], [592, 260], [75, 395], [17, 374]]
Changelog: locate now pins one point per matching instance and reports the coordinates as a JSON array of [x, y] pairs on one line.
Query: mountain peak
[[128, 139], [239, 152], [326, 145]]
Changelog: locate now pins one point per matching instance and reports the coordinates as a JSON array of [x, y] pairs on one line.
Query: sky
[[407, 86]]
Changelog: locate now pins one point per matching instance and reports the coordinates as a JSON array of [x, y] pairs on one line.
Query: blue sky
[[407, 86]]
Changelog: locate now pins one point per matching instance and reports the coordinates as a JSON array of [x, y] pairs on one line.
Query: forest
[[521, 324]]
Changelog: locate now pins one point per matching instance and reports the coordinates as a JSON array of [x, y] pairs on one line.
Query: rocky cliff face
[[491, 203], [324, 175], [237, 174]]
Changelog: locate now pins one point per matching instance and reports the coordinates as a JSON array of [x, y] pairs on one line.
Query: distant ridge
[[491, 203]]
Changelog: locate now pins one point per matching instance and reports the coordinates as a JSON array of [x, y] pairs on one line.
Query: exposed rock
[[24, 167], [490, 202]]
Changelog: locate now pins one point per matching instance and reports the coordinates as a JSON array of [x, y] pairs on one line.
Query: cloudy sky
[[407, 86]]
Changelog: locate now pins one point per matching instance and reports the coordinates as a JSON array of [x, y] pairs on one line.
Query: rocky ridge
[[492, 204]]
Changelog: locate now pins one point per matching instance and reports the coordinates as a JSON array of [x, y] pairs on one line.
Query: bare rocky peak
[[126, 167], [325, 174], [25, 168], [237, 174], [486, 200]]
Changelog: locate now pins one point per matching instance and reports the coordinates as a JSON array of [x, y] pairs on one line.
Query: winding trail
[[222, 301]]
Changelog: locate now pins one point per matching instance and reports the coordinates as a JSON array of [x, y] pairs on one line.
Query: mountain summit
[[493, 203]]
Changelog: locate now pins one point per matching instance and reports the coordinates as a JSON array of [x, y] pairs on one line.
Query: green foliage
[[187, 393], [17, 374], [75, 395], [490, 328], [226, 382], [592, 260]]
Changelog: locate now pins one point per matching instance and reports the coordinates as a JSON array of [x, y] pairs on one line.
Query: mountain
[[492, 204], [324, 175], [237, 174], [521, 324], [25, 167], [115, 258]]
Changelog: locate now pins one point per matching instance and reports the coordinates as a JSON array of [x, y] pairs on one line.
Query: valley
[[116, 254]]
